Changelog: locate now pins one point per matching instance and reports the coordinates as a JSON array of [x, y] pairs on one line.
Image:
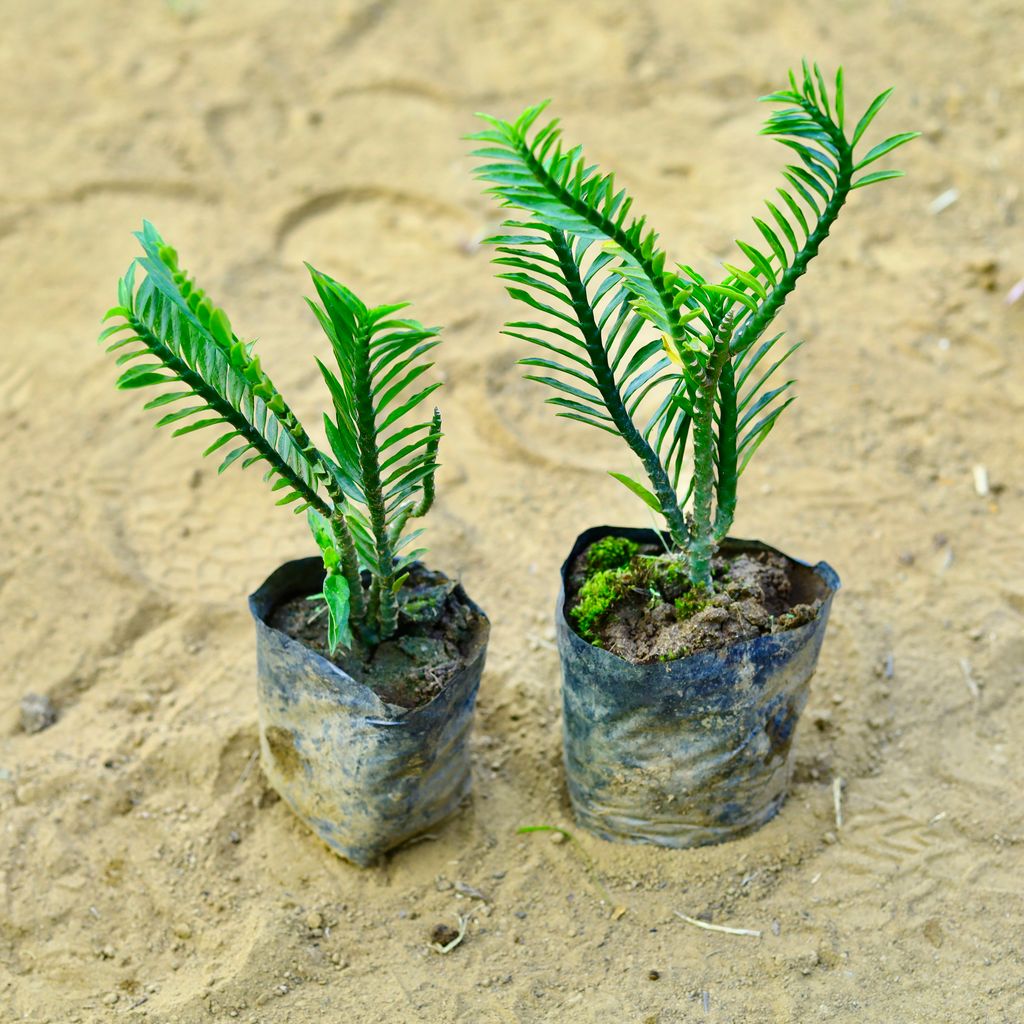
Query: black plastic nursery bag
[[693, 751], [365, 775]]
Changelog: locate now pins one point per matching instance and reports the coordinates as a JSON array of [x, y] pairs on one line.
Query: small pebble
[[471, 891], [110, 998], [442, 884], [37, 712], [314, 920], [654, 975], [182, 930], [558, 838]]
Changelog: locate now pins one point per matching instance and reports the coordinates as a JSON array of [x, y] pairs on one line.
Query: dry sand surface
[[147, 873]]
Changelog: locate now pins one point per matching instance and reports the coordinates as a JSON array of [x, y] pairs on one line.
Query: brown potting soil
[[752, 595], [435, 636]]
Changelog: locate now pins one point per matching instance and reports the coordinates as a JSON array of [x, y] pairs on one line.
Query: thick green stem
[[728, 459], [383, 610], [758, 322], [702, 544], [611, 396], [349, 564]]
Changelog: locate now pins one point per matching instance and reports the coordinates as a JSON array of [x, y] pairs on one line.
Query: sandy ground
[[147, 874]]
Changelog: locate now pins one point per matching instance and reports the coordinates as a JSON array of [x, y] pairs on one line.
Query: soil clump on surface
[[644, 609], [437, 633]]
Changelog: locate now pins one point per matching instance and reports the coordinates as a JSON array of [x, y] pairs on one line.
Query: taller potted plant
[[366, 696], [686, 654]]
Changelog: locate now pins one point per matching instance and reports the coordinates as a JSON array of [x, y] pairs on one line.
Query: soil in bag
[[631, 599], [436, 633]]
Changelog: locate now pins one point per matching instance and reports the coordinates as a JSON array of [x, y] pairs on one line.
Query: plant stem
[[752, 329], [728, 475], [382, 610], [349, 564], [702, 541], [609, 391]]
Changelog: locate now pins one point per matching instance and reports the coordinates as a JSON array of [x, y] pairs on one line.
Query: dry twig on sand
[[717, 927]]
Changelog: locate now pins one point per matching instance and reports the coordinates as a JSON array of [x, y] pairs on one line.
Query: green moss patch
[[610, 553], [616, 568], [600, 592]]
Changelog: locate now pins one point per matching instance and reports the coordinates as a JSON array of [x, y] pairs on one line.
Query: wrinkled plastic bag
[[688, 752], [365, 775]]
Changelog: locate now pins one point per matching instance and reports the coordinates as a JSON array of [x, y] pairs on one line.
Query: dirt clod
[[442, 934], [37, 712]]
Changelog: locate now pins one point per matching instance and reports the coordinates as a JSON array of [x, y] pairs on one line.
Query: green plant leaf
[[870, 179], [869, 115], [888, 146], [638, 489], [337, 595]]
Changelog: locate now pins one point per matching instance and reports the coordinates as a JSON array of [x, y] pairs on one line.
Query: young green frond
[[171, 334], [384, 464], [619, 328], [379, 472]]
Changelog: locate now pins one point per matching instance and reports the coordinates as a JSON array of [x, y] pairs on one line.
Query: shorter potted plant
[[368, 662], [686, 654]]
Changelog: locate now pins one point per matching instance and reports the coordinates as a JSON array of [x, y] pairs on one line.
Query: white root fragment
[[981, 487], [444, 950], [943, 201], [837, 800], [972, 683], [717, 927]]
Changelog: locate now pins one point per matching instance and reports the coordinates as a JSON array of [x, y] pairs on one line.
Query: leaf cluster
[[377, 472], [674, 364]]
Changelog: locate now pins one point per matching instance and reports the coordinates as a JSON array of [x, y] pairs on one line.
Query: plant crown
[[377, 472], [619, 326]]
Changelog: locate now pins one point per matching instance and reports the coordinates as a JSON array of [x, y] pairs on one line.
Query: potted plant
[[686, 654], [368, 662]]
